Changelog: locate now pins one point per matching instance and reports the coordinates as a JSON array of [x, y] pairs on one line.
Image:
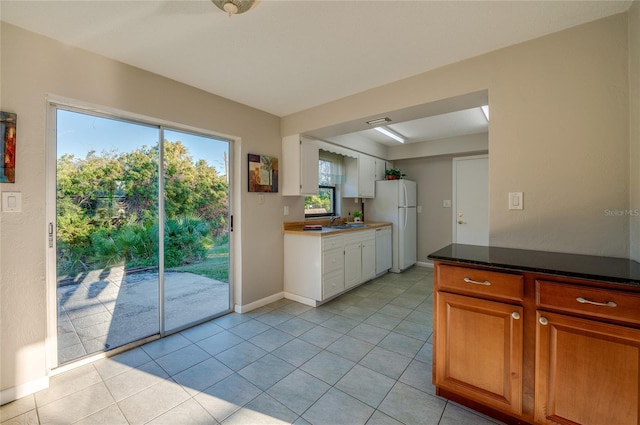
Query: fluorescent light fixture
[[378, 121], [388, 132], [485, 110]]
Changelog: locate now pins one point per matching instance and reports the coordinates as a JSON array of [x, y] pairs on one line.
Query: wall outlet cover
[[516, 201], [11, 201]]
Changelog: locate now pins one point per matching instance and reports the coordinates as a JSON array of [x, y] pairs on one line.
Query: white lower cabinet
[[317, 268], [359, 258], [332, 272]]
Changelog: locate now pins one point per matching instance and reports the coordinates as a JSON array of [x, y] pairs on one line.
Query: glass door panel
[[196, 283], [107, 253]]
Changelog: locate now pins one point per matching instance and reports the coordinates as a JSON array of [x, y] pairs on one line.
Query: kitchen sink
[[348, 226]]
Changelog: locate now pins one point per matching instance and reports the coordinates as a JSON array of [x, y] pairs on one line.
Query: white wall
[[559, 132], [450, 146], [33, 66]]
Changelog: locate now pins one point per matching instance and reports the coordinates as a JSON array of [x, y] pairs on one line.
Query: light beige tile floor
[[363, 358]]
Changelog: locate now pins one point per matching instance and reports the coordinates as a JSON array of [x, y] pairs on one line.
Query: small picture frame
[[263, 173], [8, 147]]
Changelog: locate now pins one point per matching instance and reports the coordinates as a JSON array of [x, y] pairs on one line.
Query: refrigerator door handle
[[406, 217], [406, 195]]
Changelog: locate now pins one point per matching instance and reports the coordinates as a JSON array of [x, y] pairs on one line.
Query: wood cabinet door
[[586, 372], [479, 348]]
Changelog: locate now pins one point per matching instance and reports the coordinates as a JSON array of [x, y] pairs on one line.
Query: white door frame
[[454, 219], [52, 104]]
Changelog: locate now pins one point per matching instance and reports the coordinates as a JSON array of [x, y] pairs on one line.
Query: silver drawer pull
[[515, 315], [586, 301], [475, 282]]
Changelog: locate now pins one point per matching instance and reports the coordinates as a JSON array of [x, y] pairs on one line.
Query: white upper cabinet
[[380, 168], [299, 166], [361, 176]]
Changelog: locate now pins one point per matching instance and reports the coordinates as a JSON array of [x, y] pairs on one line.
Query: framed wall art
[[263, 173], [8, 147]]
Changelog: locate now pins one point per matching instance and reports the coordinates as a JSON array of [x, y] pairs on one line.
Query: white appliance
[[395, 202]]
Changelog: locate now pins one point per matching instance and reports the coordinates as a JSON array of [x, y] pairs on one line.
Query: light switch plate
[[446, 203], [11, 201], [516, 201]]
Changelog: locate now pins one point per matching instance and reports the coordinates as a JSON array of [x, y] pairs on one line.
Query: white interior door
[[471, 200]]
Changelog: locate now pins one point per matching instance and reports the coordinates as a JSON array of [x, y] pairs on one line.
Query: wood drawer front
[[621, 306], [332, 260], [332, 242], [481, 282]]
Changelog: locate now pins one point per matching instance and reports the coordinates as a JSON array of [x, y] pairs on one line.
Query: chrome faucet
[[332, 219]]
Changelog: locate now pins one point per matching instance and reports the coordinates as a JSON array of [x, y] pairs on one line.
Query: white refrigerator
[[395, 202]]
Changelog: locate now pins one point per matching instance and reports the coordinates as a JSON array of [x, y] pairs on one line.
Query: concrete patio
[[107, 308]]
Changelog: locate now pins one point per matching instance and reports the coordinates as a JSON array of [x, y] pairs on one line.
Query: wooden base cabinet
[[479, 350], [530, 348], [586, 372]]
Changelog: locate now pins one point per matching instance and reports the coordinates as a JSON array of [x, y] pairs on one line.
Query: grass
[[215, 266]]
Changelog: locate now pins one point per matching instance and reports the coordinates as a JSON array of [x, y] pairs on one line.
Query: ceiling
[[285, 56], [437, 127]]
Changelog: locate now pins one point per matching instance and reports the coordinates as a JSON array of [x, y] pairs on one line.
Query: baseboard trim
[[300, 299], [11, 394], [424, 264], [257, 304]]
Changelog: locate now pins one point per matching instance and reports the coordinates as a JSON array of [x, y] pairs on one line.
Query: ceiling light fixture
[[234, 7], [485, 110], [378, 121], [388, 132]]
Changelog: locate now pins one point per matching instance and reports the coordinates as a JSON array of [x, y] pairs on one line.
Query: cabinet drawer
[[332, 242], [596, 302], [332, 283], [332, 260], [481, 282]]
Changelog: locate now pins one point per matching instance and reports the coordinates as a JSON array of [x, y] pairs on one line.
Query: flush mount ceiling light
[[378, 121], [388, 132], [235, 7]]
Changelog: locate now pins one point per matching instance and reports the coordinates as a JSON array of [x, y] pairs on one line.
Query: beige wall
[[32, 67], [559, 132], [434, 176], [634, 128]]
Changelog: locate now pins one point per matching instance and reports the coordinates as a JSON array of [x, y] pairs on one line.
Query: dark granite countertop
[[607, 269]]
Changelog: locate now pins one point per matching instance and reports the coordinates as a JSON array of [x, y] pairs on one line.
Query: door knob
[[462, 222]]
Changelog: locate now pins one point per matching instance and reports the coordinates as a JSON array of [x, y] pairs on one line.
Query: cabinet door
[[368, 259], [366, 176], [380, 166], [479, 350], [309, 159], [352, 264], [299, 168], [586, 372]]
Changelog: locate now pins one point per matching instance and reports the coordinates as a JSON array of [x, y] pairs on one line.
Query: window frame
[[333, 203]]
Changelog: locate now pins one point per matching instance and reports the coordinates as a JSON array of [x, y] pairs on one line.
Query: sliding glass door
[[115, 282], [196, 228]]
